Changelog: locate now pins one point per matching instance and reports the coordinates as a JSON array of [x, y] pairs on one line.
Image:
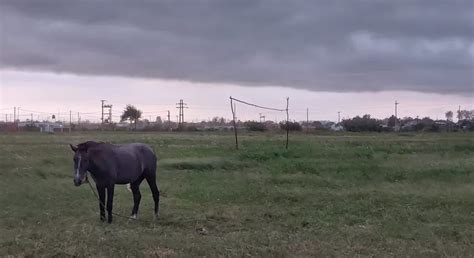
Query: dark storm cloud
[[414, 45]]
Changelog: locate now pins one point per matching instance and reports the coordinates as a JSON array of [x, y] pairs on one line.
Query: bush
[[186, 128], [255, 126], [293, 126], [361, 124]]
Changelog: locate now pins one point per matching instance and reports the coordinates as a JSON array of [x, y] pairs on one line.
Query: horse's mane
[[86, 145]]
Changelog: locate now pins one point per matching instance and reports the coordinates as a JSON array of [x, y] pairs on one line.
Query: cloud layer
[[338, 46]]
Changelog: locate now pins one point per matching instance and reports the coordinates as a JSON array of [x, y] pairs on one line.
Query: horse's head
[[81, 164]]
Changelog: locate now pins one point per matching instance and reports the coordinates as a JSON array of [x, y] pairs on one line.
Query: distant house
[[123, 124], [410, 125], [337, 127], [44, 127]]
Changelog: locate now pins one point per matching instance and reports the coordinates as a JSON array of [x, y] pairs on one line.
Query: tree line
[[363, 123]]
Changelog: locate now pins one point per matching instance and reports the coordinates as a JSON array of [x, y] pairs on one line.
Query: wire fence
[[232, 107]]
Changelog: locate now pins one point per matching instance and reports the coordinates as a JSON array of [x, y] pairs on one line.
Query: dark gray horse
[[111, 164]]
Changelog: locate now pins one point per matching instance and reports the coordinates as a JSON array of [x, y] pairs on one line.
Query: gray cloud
[[339, 46]]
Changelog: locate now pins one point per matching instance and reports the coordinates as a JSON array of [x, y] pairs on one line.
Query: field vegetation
[[334, 195]]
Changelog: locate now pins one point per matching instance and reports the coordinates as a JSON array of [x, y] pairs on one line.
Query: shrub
[[255, 126], [293, 126]]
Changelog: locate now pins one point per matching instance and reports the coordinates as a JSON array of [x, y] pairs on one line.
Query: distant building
[[337, 127], [44, 127]]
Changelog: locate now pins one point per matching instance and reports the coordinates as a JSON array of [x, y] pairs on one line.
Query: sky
[[356, 57]]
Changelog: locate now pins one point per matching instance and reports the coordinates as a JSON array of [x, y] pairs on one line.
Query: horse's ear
[[73, 148]]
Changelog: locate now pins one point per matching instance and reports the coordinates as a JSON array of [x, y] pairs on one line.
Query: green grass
[[329, 195]]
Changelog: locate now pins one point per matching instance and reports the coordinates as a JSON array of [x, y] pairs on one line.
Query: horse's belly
[[127, 170], [122, 181], [126, 179]]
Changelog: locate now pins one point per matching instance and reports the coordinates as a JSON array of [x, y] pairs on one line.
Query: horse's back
[[142, 152], [137, 158]]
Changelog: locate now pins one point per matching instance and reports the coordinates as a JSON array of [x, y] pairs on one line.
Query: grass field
[[331, 195]]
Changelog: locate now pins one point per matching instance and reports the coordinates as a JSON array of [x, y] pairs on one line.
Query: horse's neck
[[97, 175], [94, 169]]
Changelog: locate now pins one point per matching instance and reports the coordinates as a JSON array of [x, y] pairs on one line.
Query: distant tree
[[360, 124], [292, 126], [218, 120], [465, 115], [317, 124], [158, 120], [392, 121], [426, 124], [406, 120], [449, 115], [255, 126], [131, 113]]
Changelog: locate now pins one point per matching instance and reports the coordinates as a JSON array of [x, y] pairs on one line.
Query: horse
[[110, 164]]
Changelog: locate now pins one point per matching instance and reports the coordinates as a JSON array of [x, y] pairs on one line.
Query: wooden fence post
[[235, 126], [287, 121]]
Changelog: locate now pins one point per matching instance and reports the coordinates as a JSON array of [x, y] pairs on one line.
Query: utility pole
[[396, 104], [169, 121], [70, 120], [181, 106], [14, 114], [459, 113], [396, 115], [109, 119], [110, 114], [307, 116], [31, 118], [338, 117], [78, 119], [102, 110]]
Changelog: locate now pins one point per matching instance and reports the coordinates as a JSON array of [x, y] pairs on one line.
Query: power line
[[258, 106]]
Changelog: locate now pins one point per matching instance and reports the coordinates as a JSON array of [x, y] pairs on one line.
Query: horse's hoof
[[134, 216], [202, 231]]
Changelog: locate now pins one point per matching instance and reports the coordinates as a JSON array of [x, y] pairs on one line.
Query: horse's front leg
[[110, 201], [101, 191]]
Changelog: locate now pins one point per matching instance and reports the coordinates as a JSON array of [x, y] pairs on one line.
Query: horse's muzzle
[[79, 181]]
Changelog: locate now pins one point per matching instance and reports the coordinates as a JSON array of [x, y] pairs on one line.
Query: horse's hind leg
[[151, 179], [135, 187]]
